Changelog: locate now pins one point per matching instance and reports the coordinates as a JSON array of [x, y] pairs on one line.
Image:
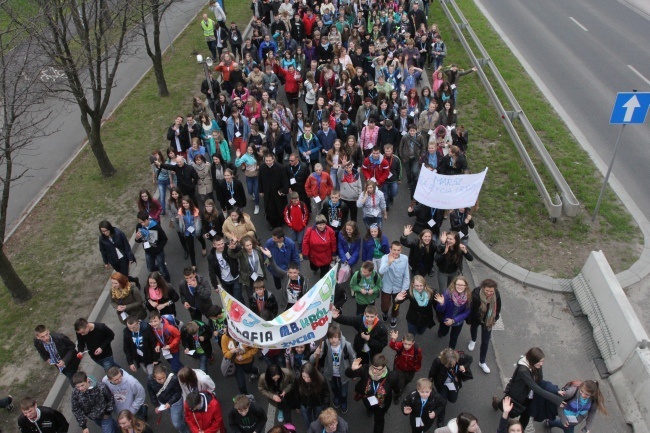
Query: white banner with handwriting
[[448, 192]]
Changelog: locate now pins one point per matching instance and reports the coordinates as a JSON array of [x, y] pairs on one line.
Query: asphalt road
[[46, 157], [585, 52]]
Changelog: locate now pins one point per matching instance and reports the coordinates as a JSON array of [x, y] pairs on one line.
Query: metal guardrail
[[566, 202]]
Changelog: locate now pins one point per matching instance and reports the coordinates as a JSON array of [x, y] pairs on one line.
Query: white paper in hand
[[167, 354], [372, 400], [147, 245], [123, 315], [162, 407], [418, 422], [191, 352]]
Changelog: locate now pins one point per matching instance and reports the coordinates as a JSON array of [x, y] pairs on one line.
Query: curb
[[638, 271]]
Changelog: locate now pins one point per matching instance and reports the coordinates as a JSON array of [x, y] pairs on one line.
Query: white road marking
[[578, 24], [639, 74]]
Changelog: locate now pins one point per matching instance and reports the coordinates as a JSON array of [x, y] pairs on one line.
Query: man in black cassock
[[297, 173], [275, 186]]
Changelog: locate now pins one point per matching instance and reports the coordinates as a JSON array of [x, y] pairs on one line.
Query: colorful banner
[[448, 192], [306, 322]]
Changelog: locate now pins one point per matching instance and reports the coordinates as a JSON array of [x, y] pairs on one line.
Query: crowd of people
[[323, 110]]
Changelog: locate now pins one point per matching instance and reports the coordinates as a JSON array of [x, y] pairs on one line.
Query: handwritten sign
[[305, 322], [448, 192]]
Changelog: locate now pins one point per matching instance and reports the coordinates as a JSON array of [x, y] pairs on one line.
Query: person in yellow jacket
[[244, 359], [208, 33]]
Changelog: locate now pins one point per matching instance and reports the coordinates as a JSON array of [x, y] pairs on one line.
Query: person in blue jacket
[[375, 245], [284, 252], [349, 244], [309, 146], [454, 305]]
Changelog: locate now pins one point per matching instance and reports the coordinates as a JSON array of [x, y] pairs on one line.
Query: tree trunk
[[18, 290], [160, 76], [95, 140]]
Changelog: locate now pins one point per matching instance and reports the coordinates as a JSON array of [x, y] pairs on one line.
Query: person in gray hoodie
[[128, 393], [334, 355]]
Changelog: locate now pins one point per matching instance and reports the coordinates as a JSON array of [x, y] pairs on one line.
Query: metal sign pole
[[609, 170]]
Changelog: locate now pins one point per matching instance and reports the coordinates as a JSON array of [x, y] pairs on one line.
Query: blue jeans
[[297, 238], [390, 192], [175, 362], [107, 363], [415, 330], [310, 414], [108, 425], [453, 336], [339, 390], [178, 417], [485, 339], [368, 221], [253, 188], [162, 191], [557, 422], [334, 178], [233, 288], [157, 263], [241, 370]]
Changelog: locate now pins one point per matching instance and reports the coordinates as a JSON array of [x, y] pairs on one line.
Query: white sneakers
[[484, 367], [257, 210], [471, 345]]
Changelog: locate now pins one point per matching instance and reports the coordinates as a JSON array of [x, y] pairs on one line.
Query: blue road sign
[[630, 107]]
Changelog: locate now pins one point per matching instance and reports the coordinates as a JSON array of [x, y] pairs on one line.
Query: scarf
[[489, 307], [122, 292], [377, 389], [459, 299], [422, 298], [377, 376], [370, 326], [155, 294], [350, 177]]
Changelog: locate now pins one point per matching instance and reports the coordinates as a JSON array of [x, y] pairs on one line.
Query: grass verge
[[512, 219], [55, 249]]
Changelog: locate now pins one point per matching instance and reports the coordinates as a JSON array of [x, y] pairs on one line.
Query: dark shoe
[[336, 403], [393, 322], [186, 255], [136, 280], [385, 317], [10, 406], [344, 407], [495, 403]]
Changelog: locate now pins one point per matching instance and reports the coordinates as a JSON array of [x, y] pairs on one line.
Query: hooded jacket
[[48, 421], [326, 361], [128, 394], [378, 334], [379, 170], [208, 419], [201, 299], [94, 403], [108, 247], [147, 346], [171, 393]]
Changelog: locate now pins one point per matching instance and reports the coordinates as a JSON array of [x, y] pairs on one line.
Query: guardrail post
[[512, 115], [483, 61]]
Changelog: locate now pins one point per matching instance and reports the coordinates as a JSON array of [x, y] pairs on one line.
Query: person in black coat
[[453, 163], [40, 419], [165, 389], [177, 136], [448, 372], [297, 173], [424, 404], [375, 386], [211, 94], [274, 183], [222, 110], [116, 250], [186, 176], [388, 134], [63, 355], [196, 337], [486, 309], [426, 218], [370, 332], [421, 251], [195, 292], [159, 295], [419, 318], [154, 239], [224, 269], [97, 337], [262, 301], [246, 416], [461, 221], [345, 127], [229, 189], [139, 345]]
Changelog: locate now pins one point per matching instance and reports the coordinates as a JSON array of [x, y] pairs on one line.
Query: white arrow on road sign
[[630, 106]]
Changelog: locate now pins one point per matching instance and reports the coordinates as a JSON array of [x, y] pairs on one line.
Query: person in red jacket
[[203, 413], [292, 85], [308, 21], [318, 186], [168, 339], [375, 167], [408, 360], [296, 217], [319, 245]]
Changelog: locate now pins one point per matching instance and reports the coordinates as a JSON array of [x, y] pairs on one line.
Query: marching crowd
[[323, 111]]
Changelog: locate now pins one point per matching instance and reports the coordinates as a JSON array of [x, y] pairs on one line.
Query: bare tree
[[153, 11], [22, 118], [86, 41]]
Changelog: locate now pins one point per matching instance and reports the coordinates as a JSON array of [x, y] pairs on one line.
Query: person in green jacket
[[366, 285]]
